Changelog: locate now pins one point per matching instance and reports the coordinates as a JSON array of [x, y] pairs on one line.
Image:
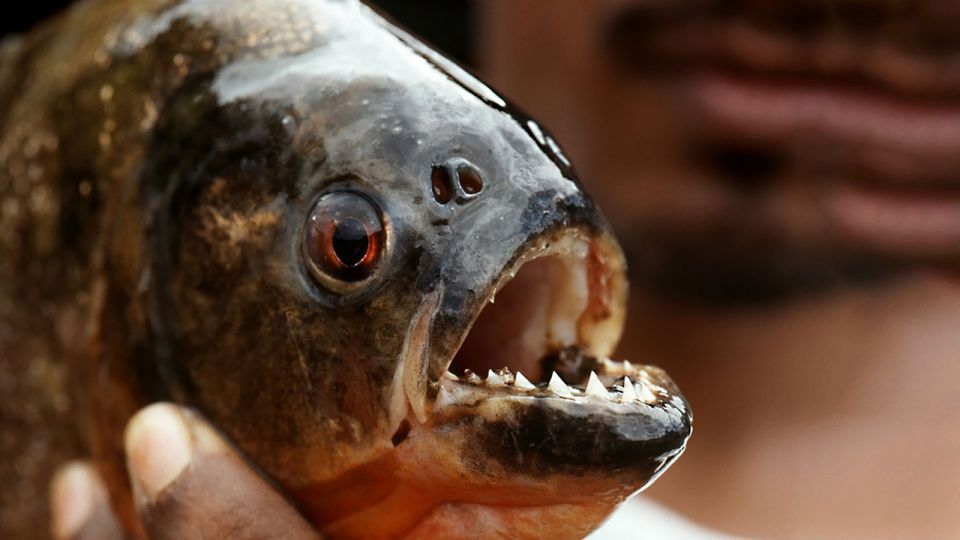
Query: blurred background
[[785, 179]]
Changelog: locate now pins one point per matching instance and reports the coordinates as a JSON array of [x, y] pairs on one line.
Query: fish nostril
[[443, 190], [456, 179], [471, 182]]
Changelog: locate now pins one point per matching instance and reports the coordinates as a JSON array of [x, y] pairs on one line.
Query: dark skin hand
[[187, 483]]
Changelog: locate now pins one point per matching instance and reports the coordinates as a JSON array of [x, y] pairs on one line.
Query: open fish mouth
[[546, 332], [532, 385], [549, 320]]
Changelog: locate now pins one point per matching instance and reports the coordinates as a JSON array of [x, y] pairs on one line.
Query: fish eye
[[344, 240]]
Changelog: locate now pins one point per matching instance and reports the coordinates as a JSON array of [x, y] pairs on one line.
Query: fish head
[[389, 289]]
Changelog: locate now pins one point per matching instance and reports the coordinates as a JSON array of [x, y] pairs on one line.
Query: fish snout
[[518, 375]]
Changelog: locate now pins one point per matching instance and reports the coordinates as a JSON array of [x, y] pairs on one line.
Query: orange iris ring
[[325, 264]]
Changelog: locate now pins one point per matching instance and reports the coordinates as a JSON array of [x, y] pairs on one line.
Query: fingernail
[[158, 449], [206, 440], [73, 498]]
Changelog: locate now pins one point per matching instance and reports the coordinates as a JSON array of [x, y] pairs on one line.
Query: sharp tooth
[[471, 377], [493, 379], [558, 387], [646, 394], [627, 366], [450, 376], [629, 394], [595, 387], [521, 382]]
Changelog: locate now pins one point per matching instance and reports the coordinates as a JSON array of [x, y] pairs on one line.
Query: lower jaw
[[428, 486], [424, 496]]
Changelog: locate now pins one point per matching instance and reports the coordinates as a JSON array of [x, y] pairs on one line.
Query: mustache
[[738, 265], [917, 25], [908, 49]]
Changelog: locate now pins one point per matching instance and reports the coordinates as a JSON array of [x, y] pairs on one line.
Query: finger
[[79, 506], [188, 483]]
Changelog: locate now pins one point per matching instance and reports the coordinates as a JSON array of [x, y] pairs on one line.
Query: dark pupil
[[350, 242]]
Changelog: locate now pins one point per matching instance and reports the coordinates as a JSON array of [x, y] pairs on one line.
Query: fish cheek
[[228, 319], [225, 314], [302, 383], [297, 383]]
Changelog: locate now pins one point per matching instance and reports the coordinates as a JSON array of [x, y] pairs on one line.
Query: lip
[[833, 132], [682, 37], [763, 109], [892, 169], [923, 226], [858, 107], [755, 78], [752, 80]]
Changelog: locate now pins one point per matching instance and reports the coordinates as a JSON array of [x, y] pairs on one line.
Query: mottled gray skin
[[158, 161]]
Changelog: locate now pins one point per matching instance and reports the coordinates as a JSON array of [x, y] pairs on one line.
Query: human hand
[[187, 483]]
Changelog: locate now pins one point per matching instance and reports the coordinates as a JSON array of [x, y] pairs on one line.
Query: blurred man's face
[[750, 150]]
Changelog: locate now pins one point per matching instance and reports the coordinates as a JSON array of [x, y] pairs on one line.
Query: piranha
[[383, 283]]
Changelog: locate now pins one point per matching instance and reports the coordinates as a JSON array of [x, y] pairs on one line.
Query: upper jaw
[[563, 291]]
